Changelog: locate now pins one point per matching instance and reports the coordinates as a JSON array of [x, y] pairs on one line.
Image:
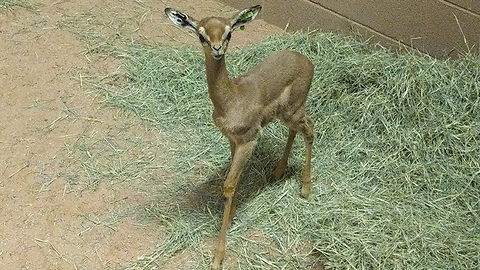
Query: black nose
[[217, 48]]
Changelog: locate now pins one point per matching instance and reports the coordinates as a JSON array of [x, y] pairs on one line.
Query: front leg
[[240, 158]]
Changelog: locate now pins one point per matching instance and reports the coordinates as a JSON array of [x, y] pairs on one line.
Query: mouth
[[217, 55]]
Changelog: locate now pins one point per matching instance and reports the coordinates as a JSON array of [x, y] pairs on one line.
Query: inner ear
[[180, 19], [203, 40], [245, 16]]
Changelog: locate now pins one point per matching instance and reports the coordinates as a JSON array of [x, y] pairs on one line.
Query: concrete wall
[[438, 27]]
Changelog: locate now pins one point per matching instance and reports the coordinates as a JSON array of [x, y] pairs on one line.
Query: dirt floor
[[50, 216]]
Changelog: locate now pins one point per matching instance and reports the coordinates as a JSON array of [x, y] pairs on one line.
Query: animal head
[[214, 33]]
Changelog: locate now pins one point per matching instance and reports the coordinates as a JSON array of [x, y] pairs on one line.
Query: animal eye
[[202, 39]]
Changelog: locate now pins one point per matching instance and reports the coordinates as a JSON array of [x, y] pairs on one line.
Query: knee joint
[[228, 191]]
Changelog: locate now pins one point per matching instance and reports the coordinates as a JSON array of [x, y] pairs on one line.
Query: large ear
[[245, 16], [180, 19]]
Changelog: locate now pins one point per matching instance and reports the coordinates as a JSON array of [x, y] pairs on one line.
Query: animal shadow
[[256, 177]]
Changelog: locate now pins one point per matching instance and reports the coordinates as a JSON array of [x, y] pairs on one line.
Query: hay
[[10, 4], [395, 171]]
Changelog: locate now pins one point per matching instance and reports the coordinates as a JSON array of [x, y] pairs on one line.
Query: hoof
[[277, 174], [216, 265], [305, 191]]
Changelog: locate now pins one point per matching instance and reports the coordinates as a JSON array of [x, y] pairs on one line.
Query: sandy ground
[[50, 217]]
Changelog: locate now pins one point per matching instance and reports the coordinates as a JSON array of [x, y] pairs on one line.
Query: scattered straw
[[396, 173], [9, 4]]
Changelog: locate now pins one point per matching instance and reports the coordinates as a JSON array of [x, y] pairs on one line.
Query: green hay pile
[[396, 169]]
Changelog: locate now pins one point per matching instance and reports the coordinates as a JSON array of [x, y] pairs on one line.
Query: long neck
[[218, 81]]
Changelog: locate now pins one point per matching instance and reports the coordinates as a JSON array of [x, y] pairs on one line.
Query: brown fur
[[276, 88]]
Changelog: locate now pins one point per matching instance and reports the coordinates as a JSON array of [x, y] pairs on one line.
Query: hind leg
[[232, 148], [282, 164], [306, 128]]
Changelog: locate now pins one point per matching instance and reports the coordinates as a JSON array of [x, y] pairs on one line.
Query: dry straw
[[396, 173], [10, 4]]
